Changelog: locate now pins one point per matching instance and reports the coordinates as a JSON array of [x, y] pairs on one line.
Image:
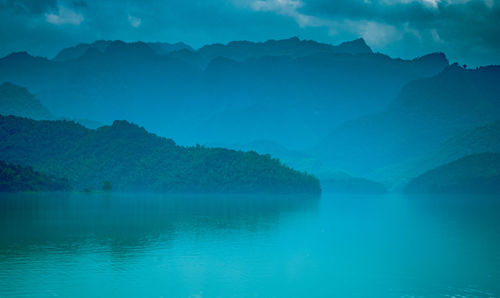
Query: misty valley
[[355, 119], [282, 168]]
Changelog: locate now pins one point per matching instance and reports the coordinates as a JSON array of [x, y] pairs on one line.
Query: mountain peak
[[437, 57], [23, 57], [119, 47], [125, 125], [356, 46], [291, 40], [19, 56]]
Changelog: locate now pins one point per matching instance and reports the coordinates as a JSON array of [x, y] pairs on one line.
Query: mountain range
[[289, 91], [321, 108]]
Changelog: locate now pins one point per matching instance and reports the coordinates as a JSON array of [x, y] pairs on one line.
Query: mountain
[[289, 99], [425, 114], [132, 159], [478, 173], [160, 48], [292, 92], [292, 47], [15, 178], [17, 101], [477, 140]]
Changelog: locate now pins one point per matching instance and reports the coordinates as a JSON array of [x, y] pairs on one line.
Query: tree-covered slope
[[14, 178], [134, 160], [478, 173], [481, 139], [17, 101]]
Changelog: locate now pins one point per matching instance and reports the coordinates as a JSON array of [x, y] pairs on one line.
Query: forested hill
[[15, 178], [477, 173], [134, 160]]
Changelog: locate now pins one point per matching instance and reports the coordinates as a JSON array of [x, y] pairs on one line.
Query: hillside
[[478, 173], [14, 178], [134, 160], [426, 113], [477, 140], [17, 101]]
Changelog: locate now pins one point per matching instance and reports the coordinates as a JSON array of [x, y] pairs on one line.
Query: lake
[[132, 245]]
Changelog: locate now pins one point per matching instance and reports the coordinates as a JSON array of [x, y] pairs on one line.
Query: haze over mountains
[[473, 174], [425, 114], [290, 91], [321, 108], [17, 101]]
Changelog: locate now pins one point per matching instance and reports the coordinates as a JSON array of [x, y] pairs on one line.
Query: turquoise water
[[77, 245]]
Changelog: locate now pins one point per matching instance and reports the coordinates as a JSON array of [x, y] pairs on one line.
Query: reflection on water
[[128, 220], [281, 246]]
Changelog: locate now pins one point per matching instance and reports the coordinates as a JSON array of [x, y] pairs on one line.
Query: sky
[[468, 31]]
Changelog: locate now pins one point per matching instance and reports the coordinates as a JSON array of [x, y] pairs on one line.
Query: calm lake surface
[[130, 245]]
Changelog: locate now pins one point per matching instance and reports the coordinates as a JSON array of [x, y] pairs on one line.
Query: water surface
[[130, 245]]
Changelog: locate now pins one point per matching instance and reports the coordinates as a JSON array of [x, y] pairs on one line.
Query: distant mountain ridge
[[236, 50], [292, 47], [207, 101], [17, 101], [159, 48]]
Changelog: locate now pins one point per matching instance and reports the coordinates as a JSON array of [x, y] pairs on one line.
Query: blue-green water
[[77, 245]]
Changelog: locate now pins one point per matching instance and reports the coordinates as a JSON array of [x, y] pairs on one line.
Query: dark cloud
[[467, 30], [28, 6]]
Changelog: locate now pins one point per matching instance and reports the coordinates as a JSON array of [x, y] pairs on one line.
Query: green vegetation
[[15, 178], [132, 159], [478, 173]]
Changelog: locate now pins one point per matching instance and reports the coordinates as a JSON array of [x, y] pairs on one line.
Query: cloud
[[288, 8], [465, 29], [27, 6], [64, 16], [134, 21]]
